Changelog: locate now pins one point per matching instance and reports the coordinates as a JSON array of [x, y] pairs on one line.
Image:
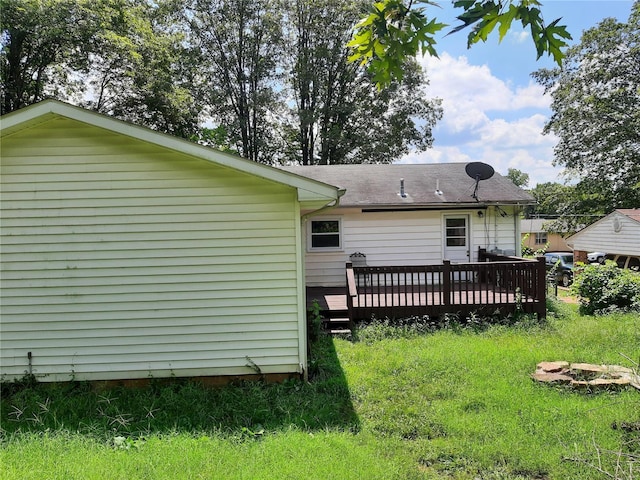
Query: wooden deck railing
[[495, 283]]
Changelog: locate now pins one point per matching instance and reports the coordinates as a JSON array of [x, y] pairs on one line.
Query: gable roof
[[374, 185], [632, 214], [309, 190], [533, 225]]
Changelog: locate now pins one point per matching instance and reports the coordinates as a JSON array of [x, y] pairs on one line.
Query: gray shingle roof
[[374, 185]]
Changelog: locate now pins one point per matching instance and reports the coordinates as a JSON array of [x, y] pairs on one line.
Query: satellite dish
[[478, 171]]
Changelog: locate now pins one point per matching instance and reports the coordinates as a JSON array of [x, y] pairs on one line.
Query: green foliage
[[268, 80], [42, 40], [384, 329], [381, 329], [141, 70], [486, 15], [394, 31], [606, 288], [390, 34], [238, 47], [338, 115], [217, 137], [120, 57], [550, 198], [314, 321], [596, 114], [519, 178], [529, 252], [448, 404], [179, 405]]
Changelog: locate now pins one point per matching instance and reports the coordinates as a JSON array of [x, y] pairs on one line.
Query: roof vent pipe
[[438, 191], [402, 192]]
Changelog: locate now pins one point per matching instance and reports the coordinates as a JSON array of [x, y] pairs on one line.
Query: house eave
[[368, 207]]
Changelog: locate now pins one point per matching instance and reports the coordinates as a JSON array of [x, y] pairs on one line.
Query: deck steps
[[340, 331], [336, 322]]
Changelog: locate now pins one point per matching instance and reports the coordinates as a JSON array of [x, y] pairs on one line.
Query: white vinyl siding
[[122, 259], [602, 236], [403, 238]]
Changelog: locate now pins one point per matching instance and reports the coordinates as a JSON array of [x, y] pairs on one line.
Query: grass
[[405, 403]]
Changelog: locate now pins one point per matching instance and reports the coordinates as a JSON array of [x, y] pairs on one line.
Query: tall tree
[[596, 115], [340, 117], [43, 42], [119, 57], [239, 42], [519, 178], [141, 69]]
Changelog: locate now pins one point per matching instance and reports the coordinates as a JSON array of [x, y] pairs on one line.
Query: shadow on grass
[[243, 409]]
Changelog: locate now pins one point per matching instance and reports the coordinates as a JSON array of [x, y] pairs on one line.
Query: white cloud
[[463, 87], [488, 120], [520, 133], [438, 155], [518, 37]]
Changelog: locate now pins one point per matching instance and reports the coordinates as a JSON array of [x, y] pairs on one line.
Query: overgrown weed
[[382, 329], [182, 405], [430, 402]]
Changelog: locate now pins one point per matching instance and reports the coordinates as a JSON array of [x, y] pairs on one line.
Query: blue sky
[[494, 111]]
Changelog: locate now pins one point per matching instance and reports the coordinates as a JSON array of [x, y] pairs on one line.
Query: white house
[[130, 254], [409, 215], [617, 233]]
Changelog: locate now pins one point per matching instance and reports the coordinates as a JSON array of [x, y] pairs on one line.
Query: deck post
[[541, 273], [482, 257], [351, 292], [446, 282]]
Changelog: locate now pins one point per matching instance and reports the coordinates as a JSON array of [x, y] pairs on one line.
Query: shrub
[[606, 288]]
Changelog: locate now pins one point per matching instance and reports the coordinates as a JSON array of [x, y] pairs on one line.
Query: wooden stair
[[336, 322]]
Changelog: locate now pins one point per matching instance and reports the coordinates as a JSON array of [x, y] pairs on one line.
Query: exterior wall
[[555, 241], [122, 260], [532, 226], [580, 256], [405, 238], [615, 233]]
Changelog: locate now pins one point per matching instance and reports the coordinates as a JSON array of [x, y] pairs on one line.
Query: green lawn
[[457, 403]]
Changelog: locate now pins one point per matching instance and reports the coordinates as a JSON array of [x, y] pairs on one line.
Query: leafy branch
[[395, 30]]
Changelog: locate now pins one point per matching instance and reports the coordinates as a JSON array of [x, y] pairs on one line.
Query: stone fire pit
[[586, 375]]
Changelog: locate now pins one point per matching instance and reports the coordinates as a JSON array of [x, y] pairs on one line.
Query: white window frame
[[310, 234], [540, 236]]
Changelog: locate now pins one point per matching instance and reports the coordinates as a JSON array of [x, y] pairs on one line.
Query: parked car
[[560, 267], [596, 257], [625, 261]]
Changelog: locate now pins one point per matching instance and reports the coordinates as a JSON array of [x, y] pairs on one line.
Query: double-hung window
[[325, 234], [541, 238]]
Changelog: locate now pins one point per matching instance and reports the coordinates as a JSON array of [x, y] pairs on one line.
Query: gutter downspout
[[302, 296]]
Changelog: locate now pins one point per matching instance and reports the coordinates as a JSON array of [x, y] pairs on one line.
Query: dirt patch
[[565, 297]]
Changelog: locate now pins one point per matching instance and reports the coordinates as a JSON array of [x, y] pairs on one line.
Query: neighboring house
[[409, 215], [536, 237], [131, 254], [617, 233]]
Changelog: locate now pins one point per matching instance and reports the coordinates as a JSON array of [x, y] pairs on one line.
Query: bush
[[606, 288]]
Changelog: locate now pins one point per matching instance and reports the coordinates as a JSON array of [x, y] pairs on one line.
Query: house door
[[456, 238]]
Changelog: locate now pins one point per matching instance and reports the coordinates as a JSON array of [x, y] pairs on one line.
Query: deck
[[504, 284], [335, 299]]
